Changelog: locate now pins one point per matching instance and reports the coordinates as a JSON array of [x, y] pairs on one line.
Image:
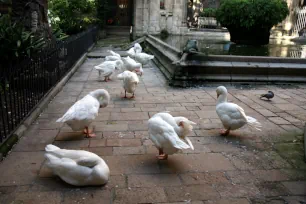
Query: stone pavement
[[247, 166]]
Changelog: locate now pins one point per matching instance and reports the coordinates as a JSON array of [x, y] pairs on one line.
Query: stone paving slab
[[247, 166]]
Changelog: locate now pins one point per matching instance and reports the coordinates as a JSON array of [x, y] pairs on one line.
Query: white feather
[[231, 115], [137, 48], [131, 64], [130, 81], [84, 111], [143, 58], [131, 52], [113, 53], [166, 134], [112, 58], [107, 68]]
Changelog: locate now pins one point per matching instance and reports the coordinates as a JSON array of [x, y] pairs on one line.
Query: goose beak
[[218, 95]]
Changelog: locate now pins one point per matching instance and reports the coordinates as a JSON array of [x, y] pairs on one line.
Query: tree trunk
[[33, 14]]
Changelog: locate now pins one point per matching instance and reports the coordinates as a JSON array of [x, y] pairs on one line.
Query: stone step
[[118, 30]]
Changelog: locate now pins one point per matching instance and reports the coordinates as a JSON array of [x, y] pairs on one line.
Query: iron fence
[[24, 85]]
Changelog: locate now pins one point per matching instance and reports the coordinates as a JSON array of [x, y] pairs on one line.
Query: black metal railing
[[24, 85]]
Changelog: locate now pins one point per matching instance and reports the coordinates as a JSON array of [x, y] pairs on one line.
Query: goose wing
[[85, 109], [163, 135], [231, 115]]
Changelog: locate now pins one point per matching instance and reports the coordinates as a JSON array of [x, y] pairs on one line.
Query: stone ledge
[[223, 68]]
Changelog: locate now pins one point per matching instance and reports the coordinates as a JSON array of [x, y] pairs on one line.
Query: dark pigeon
[[268, 95]]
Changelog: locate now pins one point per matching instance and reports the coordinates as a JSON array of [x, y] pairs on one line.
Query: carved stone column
[[179, 13], [185, 7], [33, 15], [154, 16]]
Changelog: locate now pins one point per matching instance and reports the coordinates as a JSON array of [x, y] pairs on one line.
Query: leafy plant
[[16, 42], [208, 12], [58, 34], [251, 13], [73, 16]]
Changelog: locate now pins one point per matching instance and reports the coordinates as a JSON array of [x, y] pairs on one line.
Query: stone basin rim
[[232, 57]]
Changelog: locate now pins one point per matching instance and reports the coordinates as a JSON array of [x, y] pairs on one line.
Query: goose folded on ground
[[169, 134], [113, 53], [77, 167], [112, 58], [80, 115], [231, 115], [132, 65], [143, 58], [107, 68], [130, 82]]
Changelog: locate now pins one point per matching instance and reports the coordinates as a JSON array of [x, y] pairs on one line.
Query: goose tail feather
[[252, 122]]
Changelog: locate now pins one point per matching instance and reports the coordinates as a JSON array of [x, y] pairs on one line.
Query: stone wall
[[150, 19]]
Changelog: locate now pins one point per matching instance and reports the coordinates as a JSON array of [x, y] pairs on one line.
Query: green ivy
[[251, 13]]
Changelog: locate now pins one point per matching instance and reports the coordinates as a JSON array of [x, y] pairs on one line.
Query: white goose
[[83, 112], [143, 58], [112, 58], [77, 167], [231, 115], [107, 68], [130, 82], [132, 65], [113, 53], [131, 52], [137, 48], [169, 134]]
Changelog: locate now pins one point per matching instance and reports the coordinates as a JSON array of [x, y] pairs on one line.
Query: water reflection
[[276, 47]]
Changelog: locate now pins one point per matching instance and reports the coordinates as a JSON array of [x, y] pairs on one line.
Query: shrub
[[16, 42], [251, 13], [208, 12], [74, 15]]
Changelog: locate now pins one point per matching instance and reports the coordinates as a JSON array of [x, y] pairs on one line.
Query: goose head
[[119, 64], [101, 172], [139, 71], [137, 48], [221, 94], [102, 96], [221, 90], [185, 126]]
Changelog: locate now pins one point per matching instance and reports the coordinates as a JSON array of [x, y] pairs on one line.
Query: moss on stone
[[8, 144], [293, 153]]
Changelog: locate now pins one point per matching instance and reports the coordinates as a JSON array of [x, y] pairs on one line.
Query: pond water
[[276, 47]]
